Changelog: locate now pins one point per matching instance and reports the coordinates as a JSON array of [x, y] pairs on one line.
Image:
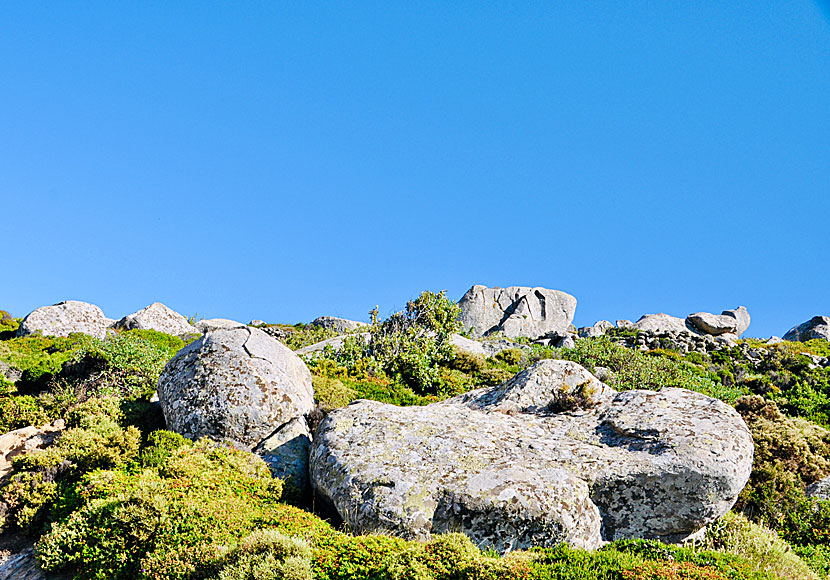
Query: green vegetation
[[116, 496]]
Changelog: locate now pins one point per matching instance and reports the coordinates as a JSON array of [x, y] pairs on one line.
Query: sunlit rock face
[[553, 455], [517, 311]]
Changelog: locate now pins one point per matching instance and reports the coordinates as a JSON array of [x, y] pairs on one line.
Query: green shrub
[[631, 369], [93, 439], [331, 393], [510, 356], [767, 552], [467, 362], [172, 522], [268, 555]]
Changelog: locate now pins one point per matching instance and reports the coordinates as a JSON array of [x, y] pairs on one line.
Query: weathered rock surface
[[819, 489], [714, 324], [484, 348], [741, 314], [598, 329], [338, 324], [19, 563], [816, 327], [234, 384], [209, 324], [511, 468], [286, 453], [335, 342], [733, 322], [517, 311], [157, 317], [64, 318], [662, 323], [26, 440]]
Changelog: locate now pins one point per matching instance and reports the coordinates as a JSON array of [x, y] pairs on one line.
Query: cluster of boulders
[[552, 455]]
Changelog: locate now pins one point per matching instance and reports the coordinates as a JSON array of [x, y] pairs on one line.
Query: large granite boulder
[[816, 327], [551, 456], [237, 384], [714, 324], [662, 323], [157, 317], [64, 318], [341, 325], [517, 311], [733, 322], [598, 329]]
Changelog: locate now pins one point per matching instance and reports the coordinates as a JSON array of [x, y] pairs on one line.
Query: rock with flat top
[[342, 325], [662, 323], [551, 456], [209, 324]]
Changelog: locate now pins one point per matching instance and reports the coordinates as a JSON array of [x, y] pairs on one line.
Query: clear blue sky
[[283, 160]]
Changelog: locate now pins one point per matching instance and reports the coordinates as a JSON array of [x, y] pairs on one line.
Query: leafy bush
[[268, 555], [789, 452], [762, 547], [93, 439], [631, 369], [169, 522]]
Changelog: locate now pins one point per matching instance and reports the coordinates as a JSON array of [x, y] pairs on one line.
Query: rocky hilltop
[[487, 424]]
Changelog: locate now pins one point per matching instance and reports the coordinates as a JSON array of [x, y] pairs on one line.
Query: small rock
[[157, 317], [342, 325], [204, 326], [336, 342]]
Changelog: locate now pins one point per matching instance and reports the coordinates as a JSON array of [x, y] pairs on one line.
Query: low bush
[[173, 521]]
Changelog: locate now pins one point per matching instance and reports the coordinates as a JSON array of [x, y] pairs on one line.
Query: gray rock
[[26, 440], [565, 342], [237, 384], [741, 314], [286, 453], [774, 340], [204, 326], [662, 323], [64, 318], [598, 329], [336, 342], [819, 489], [816, 327], [714, 324], [256, 322], [625, 324], [484, 348], [9, 372], [508, 467], [157, 317], [517, 311], [338, 324]]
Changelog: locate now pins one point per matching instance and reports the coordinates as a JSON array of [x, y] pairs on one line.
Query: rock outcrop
[[598, 329], [157, 317], [551, 456], [64, 318], [204, 326], [26, 440], [816, 327], [335, 342], [341, 325], [238, 384], [733, 322], [517, 311], [661, 323]]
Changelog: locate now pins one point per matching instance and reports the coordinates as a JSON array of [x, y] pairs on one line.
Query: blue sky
[[287, 160]]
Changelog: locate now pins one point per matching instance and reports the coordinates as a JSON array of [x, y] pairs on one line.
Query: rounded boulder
[[239, 385]]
